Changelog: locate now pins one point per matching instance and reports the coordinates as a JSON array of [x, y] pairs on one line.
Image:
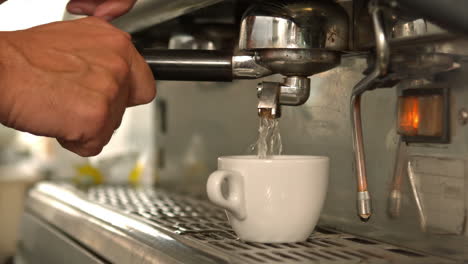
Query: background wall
[[21, 14]]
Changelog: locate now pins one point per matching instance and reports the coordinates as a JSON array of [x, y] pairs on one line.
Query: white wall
[[21, 14]]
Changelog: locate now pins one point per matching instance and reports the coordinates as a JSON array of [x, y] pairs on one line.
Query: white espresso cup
[[275, 200]]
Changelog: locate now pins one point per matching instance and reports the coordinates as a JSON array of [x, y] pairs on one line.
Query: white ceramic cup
[[274, 200]]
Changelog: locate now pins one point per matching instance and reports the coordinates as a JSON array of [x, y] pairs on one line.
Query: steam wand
[[370, 82]]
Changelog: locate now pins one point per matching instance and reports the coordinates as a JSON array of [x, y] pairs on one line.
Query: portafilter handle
[[189, 65], [203, 65]]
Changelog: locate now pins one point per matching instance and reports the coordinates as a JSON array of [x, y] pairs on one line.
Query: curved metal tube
[[369, 82]]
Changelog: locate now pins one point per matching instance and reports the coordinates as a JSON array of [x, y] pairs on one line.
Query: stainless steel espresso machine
[[381, 87]]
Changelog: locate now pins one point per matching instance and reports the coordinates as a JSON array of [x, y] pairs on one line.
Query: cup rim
[[274, 158]]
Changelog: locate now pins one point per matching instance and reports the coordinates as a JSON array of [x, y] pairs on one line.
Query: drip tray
[[194, 231]]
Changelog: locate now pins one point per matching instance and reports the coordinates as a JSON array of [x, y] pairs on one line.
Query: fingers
[[129, 69], [94, 21], [126, 63], [92, 146], [141, 81], [88, 148], [97, 119], [111, 9], [83, 7], [106, 9]]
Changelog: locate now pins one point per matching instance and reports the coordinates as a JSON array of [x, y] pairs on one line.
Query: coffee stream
[[269, 139]]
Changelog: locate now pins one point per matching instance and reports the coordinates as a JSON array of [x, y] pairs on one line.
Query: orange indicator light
[[408, 115], [420, 115]]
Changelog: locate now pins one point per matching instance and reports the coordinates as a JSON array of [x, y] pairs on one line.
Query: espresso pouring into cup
[[274, 200]]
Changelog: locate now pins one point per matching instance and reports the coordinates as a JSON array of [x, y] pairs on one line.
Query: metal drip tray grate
[[206, 227]]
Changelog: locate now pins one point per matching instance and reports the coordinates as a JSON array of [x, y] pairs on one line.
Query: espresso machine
[[380, 87]]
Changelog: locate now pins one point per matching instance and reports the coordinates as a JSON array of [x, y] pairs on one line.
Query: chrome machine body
[[342, 71]]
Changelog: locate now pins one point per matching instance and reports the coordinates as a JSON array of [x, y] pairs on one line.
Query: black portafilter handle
[[189, 65]]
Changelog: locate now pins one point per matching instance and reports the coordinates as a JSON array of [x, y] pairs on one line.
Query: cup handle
[[234, 203]]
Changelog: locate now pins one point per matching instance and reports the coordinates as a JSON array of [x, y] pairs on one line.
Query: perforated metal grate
[[207, 225]]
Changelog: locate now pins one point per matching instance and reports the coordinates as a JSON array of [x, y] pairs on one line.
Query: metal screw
[[259, 89], [463, 116]]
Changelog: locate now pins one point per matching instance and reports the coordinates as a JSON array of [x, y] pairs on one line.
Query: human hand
[[106, 9], [72, 81]]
